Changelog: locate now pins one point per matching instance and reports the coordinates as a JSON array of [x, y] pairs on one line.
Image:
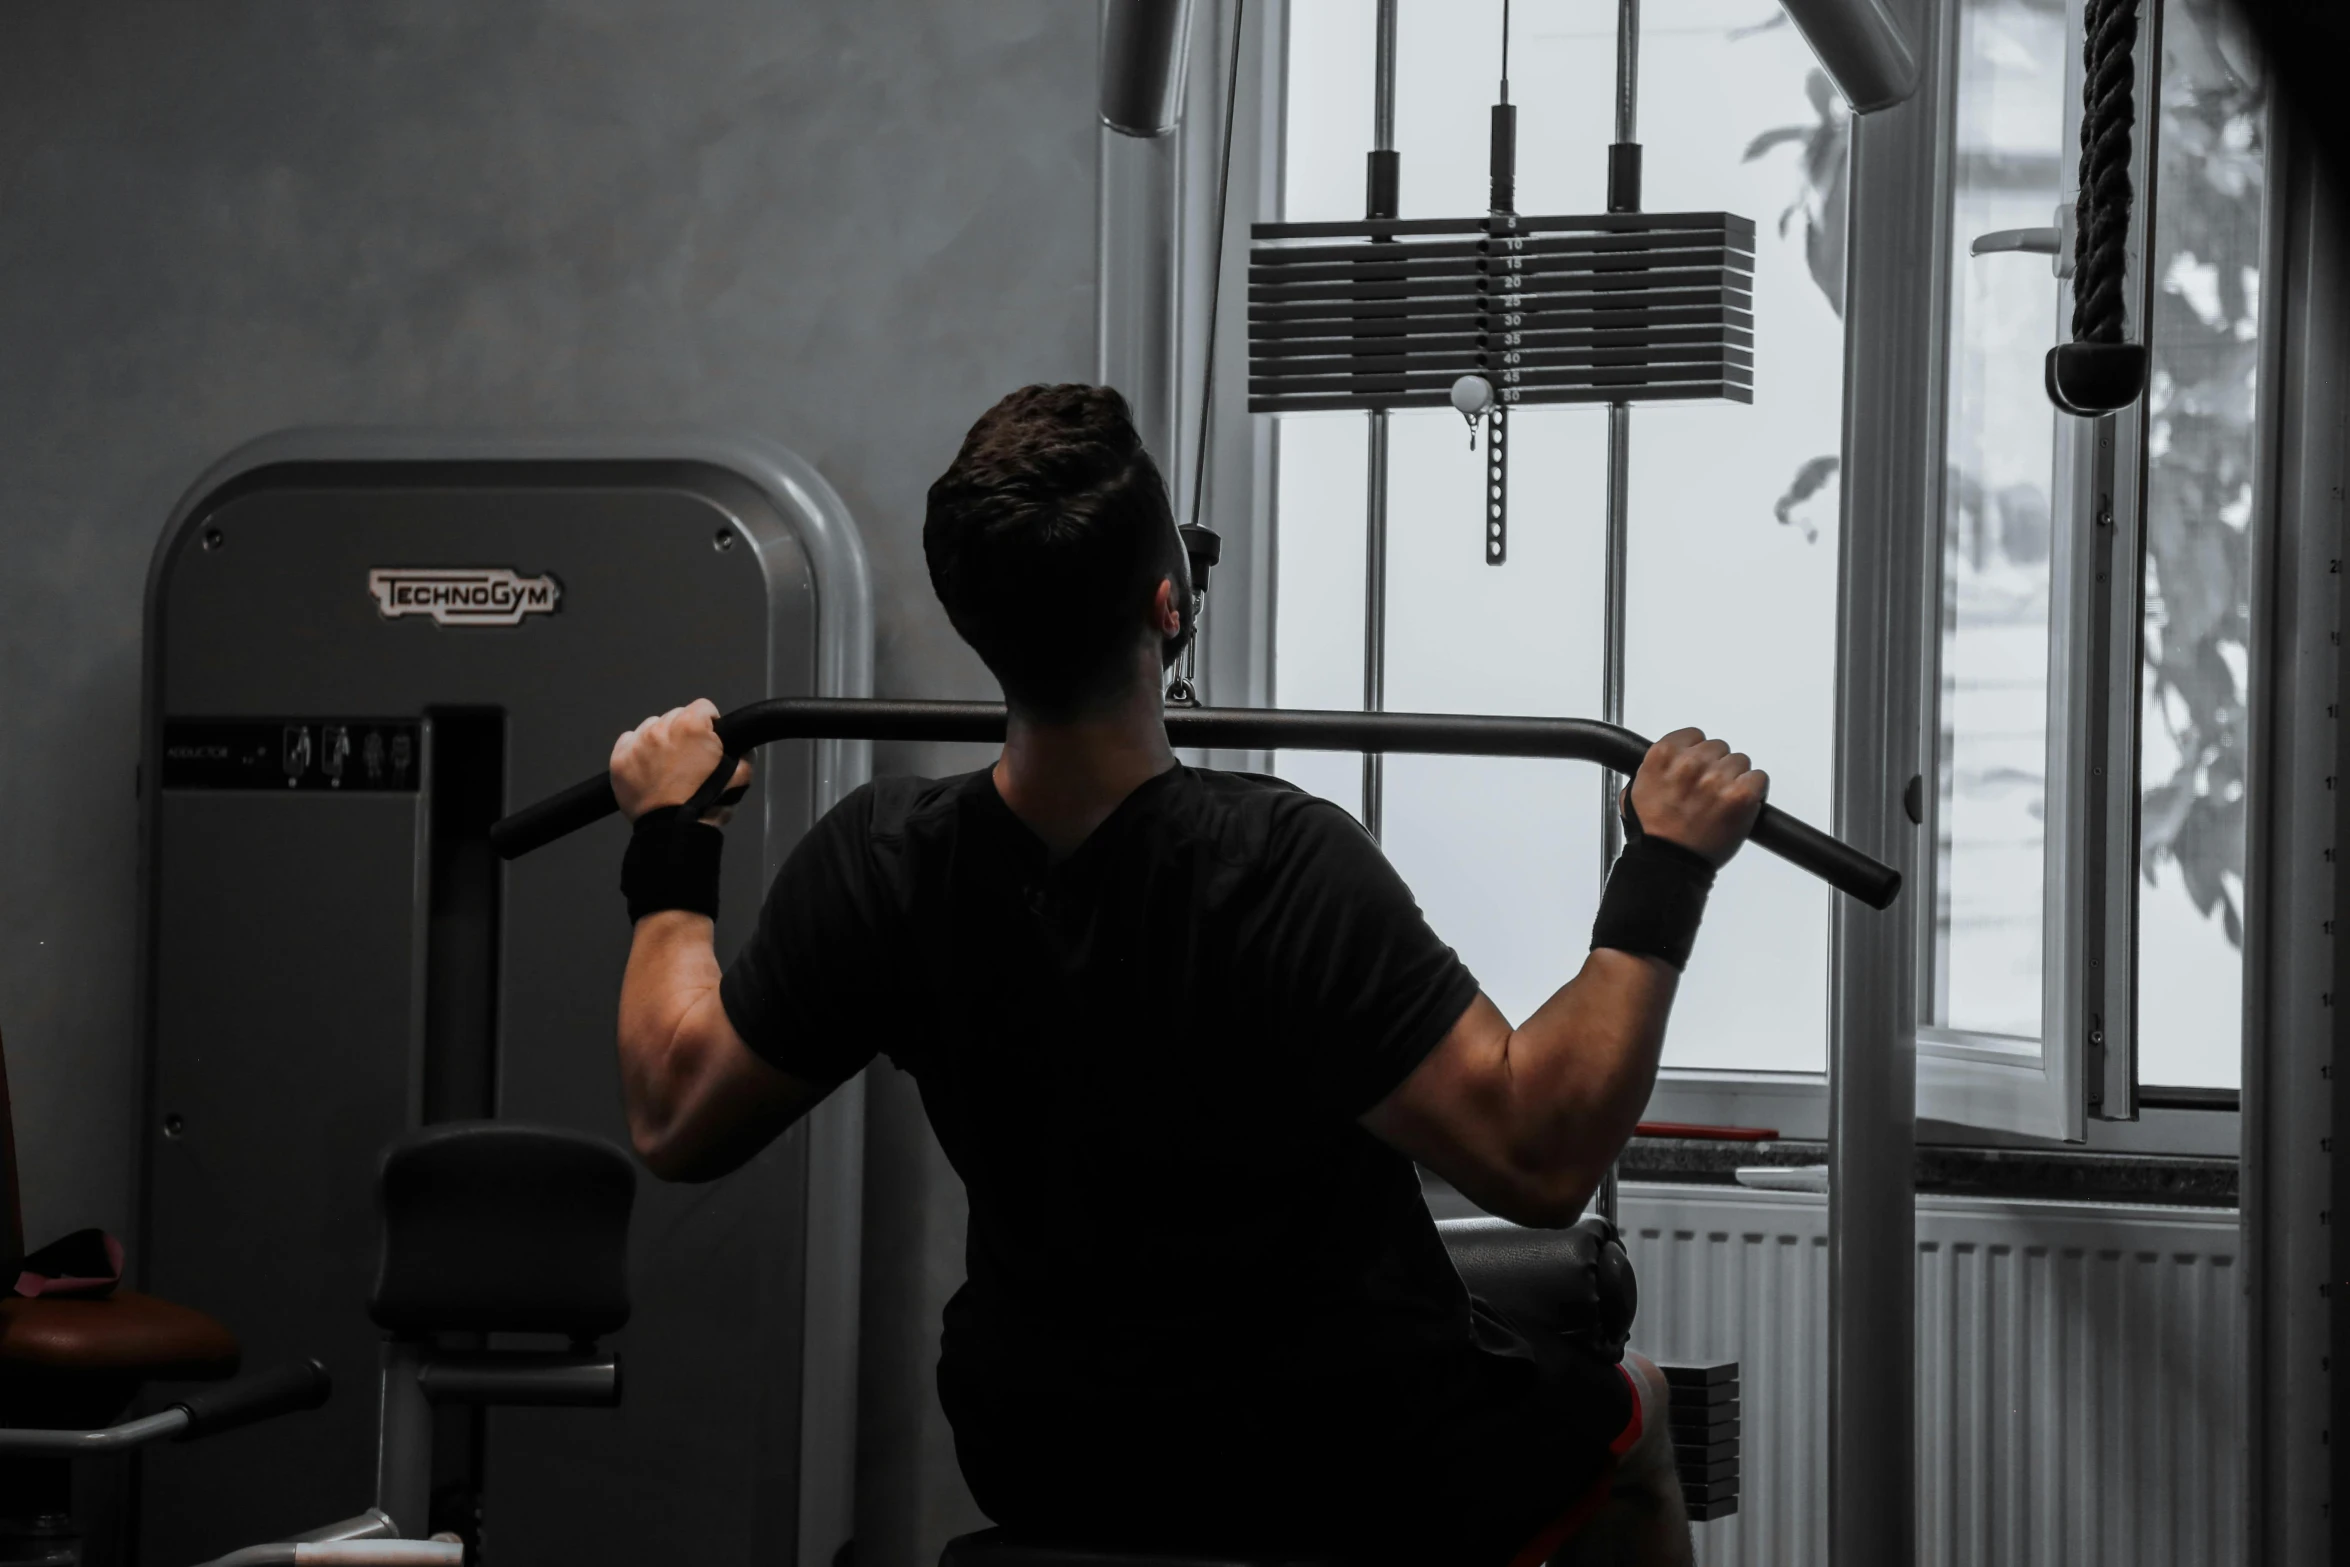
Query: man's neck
[[1063, 779]]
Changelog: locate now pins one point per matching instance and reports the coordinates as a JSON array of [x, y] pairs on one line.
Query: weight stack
[[1705, 1435]]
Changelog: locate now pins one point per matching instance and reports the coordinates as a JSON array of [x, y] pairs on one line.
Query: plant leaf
[[1809, 480], [1821, 92], [1775, 138]]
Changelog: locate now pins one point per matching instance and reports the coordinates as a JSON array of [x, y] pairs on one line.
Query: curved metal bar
[[1146, 45], [347, 1553], [32, 1443], [1862, 46], [1233, 728], [373, 1524]]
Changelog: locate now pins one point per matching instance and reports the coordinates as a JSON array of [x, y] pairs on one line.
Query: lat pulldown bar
[[1232, 728]]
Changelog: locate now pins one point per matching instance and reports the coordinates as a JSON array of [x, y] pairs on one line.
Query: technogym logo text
[[462, 595]]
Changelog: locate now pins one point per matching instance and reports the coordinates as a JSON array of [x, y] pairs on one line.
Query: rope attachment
[[2098, 371]]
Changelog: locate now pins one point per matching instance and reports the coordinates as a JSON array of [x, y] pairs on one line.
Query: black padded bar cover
[[522, 1377], [298, 1384]]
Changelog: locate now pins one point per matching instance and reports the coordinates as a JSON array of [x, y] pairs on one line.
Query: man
[[1184, 1035]]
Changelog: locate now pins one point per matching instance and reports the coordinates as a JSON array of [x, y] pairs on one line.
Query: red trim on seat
[[1563, 1528], [1568, 1524], [1716, 1134]]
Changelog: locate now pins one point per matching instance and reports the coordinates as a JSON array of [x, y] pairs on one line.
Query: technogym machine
[[361, 649]]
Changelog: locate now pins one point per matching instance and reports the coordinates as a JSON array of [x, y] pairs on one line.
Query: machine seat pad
[[501, 1227], [122, 1335], [1553, 1281], [1005, 1548]]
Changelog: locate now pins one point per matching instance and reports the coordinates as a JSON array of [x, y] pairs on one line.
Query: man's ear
[[1166, 610]]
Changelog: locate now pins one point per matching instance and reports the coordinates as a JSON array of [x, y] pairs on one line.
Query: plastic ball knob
[[1472, 395]]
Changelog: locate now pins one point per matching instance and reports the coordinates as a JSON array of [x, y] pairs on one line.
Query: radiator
[[2079, 1388]]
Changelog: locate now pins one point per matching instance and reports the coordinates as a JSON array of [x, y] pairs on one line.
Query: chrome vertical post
[[403, 1463], [1619, 482], [1381, 195], [1894, 309]]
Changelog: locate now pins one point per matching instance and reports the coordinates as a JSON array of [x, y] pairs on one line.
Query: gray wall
[[843, 226]]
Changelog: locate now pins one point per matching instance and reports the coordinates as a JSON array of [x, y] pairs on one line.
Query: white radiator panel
[[2079, 1385]]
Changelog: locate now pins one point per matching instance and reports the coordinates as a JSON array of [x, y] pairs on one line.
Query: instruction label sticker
[[462, 595], [356, 755]]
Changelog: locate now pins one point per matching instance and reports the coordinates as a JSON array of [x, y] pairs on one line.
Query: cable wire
[[1505, 51]]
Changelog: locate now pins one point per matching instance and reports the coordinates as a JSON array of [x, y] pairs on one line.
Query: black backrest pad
[[493, 1226], [1543, 1280]]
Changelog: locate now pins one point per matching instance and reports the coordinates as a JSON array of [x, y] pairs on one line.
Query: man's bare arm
[[700, 1102], [1525, 1121]]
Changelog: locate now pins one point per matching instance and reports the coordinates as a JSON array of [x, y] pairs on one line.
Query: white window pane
[[1504, 854], [1996, 522], [1328, 110], [1465, 637], [1448, 67], [1562, 78], [1318, 586], [1731, 618], [2206, 251]]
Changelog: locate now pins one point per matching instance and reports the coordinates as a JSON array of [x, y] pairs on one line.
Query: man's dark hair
[[1047, 538]]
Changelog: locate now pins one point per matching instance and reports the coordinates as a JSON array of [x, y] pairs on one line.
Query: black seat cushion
[[495, 1226], [1004, 1548]]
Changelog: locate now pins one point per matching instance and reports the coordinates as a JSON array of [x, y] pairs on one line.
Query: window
[[2205, 271], [2085, 798], [1999, 494], [2048, 683], [1731, 575]]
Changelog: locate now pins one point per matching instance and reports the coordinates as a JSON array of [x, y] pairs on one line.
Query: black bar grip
[[1219, 728], [281, 1390], [584, 804]]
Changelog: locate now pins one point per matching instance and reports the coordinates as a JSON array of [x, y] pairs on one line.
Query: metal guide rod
[[1375, 619], [1619, 480], [1380, 202], [1627, 70], [1612, 607]]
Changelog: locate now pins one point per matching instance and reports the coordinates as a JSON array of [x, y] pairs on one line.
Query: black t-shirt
[[1192, 1275]]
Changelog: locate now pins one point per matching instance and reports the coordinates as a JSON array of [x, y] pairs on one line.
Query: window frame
[[1970, 1089], [2083, 1068]]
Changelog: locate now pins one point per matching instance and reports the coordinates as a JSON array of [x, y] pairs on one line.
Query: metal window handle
[[2039, 241], [2055, 242]]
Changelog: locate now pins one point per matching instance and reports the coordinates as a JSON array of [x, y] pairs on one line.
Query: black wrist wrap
[[1655, 897], [672, 863]]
